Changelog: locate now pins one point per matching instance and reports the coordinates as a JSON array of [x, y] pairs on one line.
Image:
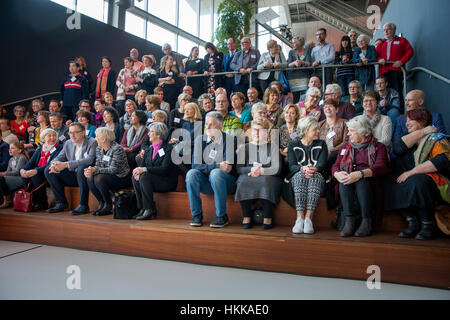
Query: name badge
[[198, 61], [343, 151], [53, 150], [62, 138], [213, 154], [253, 56], [176, 120], [86, 154], [331, 134], [73, 79], [21, 127], [396, 42], [293, 135], [87, 132], [106, 158], [170, 73], [161, 152], [174, 62], [302, 57], [14, 163], [257, 164], [362, 55]]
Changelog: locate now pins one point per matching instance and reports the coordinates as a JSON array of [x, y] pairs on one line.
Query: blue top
[[365, 74], [246, 116], [325, 54], [90, 131], [392, 101]]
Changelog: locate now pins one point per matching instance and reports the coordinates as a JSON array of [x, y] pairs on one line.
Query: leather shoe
[[81, 209], [147, 215], [107, 209], [59, 207], [140, 213], [99, 208]]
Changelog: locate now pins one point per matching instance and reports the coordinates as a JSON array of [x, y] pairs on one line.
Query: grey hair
[[392, 25], [335, 88], [105, 133], [361, 124], [312, 91], [160, 129], [184, 96], [215, 114], [348, 34], [166, 46], [39, 102], [305, 124], [355, 82], [365, 37], [205, 96], [46, 132], [257, 106]]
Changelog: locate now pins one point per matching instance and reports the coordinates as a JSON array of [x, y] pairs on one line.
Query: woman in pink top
[[310, 107], [126, 83]]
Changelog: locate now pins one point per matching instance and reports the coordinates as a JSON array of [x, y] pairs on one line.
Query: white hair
[[305, 124], [335, 88], [363, 37], [361, 124], [312, 91], [257, 106], [46, 132], [392, 25]]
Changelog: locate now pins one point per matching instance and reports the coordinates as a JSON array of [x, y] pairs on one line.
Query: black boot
[[349, 227], [426, 231], [148, 214], [412, 228], [365, 228]]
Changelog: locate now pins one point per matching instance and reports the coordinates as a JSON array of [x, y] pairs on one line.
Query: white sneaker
[[308, 226], [298, 227]]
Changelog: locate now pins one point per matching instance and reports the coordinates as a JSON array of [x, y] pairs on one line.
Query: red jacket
[[401, 50]]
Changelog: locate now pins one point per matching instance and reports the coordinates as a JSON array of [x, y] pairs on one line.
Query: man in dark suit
[[245, 61], [230, 85]]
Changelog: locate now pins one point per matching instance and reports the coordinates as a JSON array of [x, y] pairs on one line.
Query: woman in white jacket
[[272, 59]]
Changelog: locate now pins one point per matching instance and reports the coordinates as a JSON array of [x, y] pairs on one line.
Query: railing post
[[250, 82], [323, 79], [404, 84]]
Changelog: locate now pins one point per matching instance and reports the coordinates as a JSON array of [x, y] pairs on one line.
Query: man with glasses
[[68, 169], [345, 109], [245, 61], [322, 54], [354, 97], [231, 124], [314, 81], [390, 104], [56, 123], [177, 59]]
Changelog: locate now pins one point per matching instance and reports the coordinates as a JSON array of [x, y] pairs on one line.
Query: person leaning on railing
[[299, 56], [270, 60], [363, 55]]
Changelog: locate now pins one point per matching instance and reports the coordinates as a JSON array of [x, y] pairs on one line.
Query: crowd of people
[[282, 137]]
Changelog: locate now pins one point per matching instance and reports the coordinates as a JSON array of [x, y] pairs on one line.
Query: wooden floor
[[325, 253]]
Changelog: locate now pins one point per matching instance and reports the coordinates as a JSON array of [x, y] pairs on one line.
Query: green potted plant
[[233, 22]]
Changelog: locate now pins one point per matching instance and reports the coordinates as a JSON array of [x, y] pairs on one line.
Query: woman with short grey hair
[[299, 57], [310, 106], [359, 161], [206, 103], [156, 172], [110, 172], [307, 159]]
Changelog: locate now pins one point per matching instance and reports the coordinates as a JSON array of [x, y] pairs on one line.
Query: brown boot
[[6, 202]]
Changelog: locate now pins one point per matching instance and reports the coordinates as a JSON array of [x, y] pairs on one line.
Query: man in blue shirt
[[323, 53], [230, 85], [415, 99]]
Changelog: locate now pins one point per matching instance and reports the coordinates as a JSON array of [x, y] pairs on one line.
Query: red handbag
[[23, 199]]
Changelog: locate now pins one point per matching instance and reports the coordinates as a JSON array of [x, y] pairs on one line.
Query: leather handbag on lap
[[23, 199]]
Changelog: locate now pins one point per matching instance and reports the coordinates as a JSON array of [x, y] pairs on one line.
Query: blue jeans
[[218, 183], [343, 82]]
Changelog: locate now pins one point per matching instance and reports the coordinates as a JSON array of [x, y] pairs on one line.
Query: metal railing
[[322, 66], [432, 74], [30, 98]]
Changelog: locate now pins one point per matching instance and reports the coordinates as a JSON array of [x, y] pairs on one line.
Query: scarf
[[349, 156], [98, 119], [374, 121], [134, 137], [102, 81], [156, 148], [45, 154], [126, 121]]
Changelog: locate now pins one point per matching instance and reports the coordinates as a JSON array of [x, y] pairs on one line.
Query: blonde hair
[[197, 113], [292, 106], [305, 124], [105, 133], [271, 44], [138, 94]]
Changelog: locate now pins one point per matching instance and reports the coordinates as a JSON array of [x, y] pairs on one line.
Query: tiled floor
[[33, 271]]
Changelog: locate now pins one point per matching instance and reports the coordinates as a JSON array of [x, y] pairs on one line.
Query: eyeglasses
[[74, 132], [315, 97], [327, 94]]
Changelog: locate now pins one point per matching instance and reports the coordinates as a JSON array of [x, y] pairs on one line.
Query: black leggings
[[101, 184], [267, 208]]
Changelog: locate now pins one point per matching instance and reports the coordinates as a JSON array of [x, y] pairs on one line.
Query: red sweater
[[401, 50]]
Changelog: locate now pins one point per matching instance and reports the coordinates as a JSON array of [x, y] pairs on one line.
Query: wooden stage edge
[[324, 254]]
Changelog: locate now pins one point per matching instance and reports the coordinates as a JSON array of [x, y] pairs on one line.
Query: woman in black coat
[[156, 172], [194, 66], [169, 80], [213, 63], [33, 171]]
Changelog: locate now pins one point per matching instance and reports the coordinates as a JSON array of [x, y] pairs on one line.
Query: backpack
[[125, 205]]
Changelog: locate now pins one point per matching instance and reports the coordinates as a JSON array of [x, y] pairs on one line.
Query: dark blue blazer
[[33, 162], [4, 156]]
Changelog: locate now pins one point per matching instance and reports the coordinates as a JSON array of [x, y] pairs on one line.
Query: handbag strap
[[44, 183]]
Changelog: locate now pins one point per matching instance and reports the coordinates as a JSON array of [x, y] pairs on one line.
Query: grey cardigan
[[15, 164]]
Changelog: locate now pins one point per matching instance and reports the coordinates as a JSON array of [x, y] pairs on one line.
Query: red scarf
[[45, 156], [349, 156], [102, 81]]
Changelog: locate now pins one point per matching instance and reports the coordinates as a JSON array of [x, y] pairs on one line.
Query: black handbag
[[125, 205], [257, 216]]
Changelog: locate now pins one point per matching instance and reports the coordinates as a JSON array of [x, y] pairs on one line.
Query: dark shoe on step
[[219, 222], [365, 228], [412, 229], [196, 221], [349, 227], [426, 231], [59, 207], [147, 215], [99, 208], [106, 210], [81, 209]]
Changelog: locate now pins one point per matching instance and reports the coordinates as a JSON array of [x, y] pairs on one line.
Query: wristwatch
[[362, 174]]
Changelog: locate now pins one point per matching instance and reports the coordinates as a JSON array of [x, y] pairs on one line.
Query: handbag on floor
[[125, 205], [23, 199]]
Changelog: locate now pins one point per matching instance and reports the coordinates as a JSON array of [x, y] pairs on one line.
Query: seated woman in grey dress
[[111, 170], [421, 175], [10, 179], [259, 169], [307, 160]]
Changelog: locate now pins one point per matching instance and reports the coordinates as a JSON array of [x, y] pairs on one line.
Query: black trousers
[[148, 184], [76, 178], [267, 208], [40, 195], [363, 191], [101, 185]]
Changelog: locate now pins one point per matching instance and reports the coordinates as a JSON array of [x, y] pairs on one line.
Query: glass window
[[205, 20], [185, 46], [134, 24], [93, 8], [166, 10], [158, 35], [66, 3], [188, 15], [140, 4]]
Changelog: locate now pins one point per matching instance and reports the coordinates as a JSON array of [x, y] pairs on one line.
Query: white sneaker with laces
[[308, 226], [298, 227]]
